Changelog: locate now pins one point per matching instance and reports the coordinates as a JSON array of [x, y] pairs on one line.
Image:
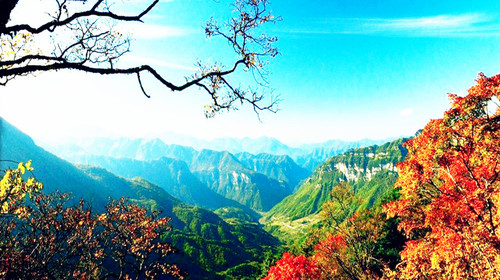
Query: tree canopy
[[447, 204], [450, 190], [43, 238]]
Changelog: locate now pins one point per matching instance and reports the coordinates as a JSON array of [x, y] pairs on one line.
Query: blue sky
[[347, 70]]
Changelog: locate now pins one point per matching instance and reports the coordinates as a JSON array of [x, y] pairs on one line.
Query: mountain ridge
[[256, 181], [370, 171], [306, 155]]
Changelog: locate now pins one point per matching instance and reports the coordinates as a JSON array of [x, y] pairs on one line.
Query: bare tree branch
[[95, 47], [50, 26]]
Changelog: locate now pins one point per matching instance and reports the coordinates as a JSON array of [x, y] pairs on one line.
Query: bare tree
[[85, 39]]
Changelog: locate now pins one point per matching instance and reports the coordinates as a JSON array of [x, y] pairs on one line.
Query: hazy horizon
[[180, 139]]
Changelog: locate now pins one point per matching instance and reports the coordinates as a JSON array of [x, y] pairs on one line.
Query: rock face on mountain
[[223, 173], [316, 154], [256, 181], [371, 172], [281, 168], [172, 175]]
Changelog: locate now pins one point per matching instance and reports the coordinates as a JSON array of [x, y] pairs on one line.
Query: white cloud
[[441, 21], [426, 26], [406, 112]]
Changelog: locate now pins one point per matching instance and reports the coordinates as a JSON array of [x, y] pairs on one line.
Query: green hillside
[[370, 171], [281, 168], [172, 175], [207, 244], [55, 173]]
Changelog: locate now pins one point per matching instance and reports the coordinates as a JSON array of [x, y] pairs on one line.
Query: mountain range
[[228, 210], [308, 156], [210, 247], [199, 177]]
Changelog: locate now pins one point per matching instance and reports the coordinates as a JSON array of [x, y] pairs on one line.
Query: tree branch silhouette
[[96, 47]]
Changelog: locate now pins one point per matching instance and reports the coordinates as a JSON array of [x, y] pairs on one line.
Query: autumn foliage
[[451, 193], [43, 238], [291, 267], [349, 247], [449, 206], [345, 247], [351, 252]]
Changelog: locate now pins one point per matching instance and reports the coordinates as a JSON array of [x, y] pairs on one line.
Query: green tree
[[349, 244], [349, 250]]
